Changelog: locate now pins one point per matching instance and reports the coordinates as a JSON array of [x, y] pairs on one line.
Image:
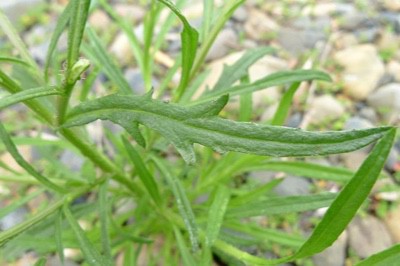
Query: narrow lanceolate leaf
[[235, 72], [187, 257], [284, 105], [216, 214], [276, 79], [27, 95], [104, 222], [388, 257], [80, 10], [58, 236], [91, 254], [98, 54], [144, 174], [189, 40], [183, 126], [13, 60], [182, 203], [279, 205], [349, 200], [12, 149], [62, 23]]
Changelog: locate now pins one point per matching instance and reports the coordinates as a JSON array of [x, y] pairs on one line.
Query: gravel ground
[[357, 42]]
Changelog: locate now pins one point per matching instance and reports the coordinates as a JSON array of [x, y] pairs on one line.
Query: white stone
[[393, 5], [325, 108], [362, 70], [386, 100]]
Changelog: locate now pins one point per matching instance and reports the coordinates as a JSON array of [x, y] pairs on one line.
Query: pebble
[[259, 25], [72, 160], [240, 14], [99, 20], [368, 235], [135, 79], [392, 222], [13, 218], [325, 108], [357, 122], [335, 255], [393, 68], [363, 69], [386, 100], [298, 41], [293, 185], [393, 5], [329, 8], [225, 41], [132, 13], [15, 8], [121, 49]]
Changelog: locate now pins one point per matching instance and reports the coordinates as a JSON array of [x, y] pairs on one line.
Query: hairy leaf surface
[[183, 126]]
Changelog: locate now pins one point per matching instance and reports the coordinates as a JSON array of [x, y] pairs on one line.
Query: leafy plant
[[193, 205]]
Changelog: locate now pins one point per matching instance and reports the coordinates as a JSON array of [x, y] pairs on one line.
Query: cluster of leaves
[[165, 191]]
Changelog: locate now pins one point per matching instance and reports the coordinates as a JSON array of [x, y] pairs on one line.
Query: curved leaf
[[183, 126], [27, 95]]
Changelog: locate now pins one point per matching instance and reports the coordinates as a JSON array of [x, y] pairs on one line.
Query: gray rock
[[298, 41], [13, 218], [367, 35], [325, 108], [225, 41], [135, 79], [353, 21], [72, 160], [335, 255], [368, 236], [357, 122], [240, 14], [393, 18], [15, 8], [393, 159], [293, 185], [363, 69], [386, 100], [369, 114]]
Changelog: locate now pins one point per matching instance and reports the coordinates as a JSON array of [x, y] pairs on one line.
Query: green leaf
[[144, 174], [216, 214], [104, 223], [98, 54], [62, 23], [305, 169], [238, 70], [388, 257], [80, 10], [349, 199], [12, 149], [16, 41], [6, 236], [13, 60], [279, 205], [182, 202], [256, 193], [276, 79], [284, 105], [58, 236], [17, 203], [41, 262], [183, 126], [90, 253], [27, 95], [187, 258], [189, 40], [208, 40]]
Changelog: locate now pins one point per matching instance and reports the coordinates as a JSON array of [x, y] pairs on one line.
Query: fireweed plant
[[152, 193]]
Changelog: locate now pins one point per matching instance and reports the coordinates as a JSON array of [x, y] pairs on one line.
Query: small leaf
[[349, 199], [276, 79], [189, 40], [144, 174], [80, 10], [90, 253], [183, 126], [216, 214], [41, 262], [388, 257], [27, 95], [12, 149], [238, 70], [279, 205], [13, 60]]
